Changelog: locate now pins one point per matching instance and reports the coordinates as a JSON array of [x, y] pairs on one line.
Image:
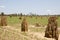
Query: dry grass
[[12, 33]]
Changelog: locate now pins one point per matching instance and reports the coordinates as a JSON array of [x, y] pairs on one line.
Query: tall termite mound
[[3, 20], [51, 30], [24, 25]]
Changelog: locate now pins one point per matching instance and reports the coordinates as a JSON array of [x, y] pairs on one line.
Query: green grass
[[15, 20], [58, 21]]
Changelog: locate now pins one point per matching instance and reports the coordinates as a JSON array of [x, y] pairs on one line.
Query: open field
[[13, 30], [15, 20]]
